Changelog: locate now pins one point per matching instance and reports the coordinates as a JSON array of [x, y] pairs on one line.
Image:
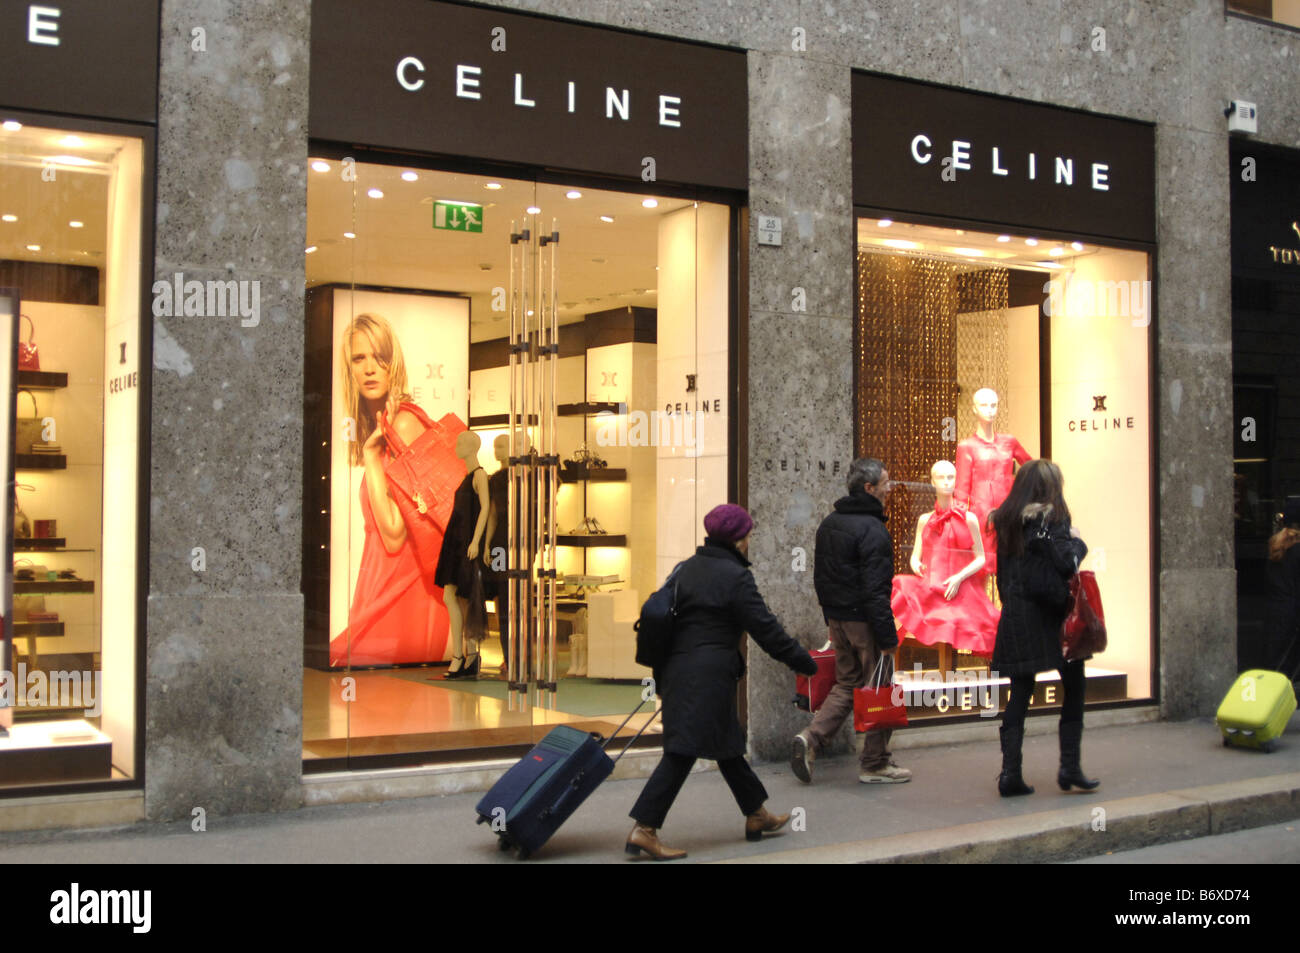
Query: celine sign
[[953, 154], [81, 57], [481, 83]]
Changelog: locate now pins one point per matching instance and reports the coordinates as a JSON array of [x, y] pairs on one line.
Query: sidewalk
[[949, 812]]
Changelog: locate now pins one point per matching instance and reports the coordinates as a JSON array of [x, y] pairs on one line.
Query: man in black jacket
[[853, 573]]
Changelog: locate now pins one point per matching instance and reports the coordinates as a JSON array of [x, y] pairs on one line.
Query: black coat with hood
[[853, 566], [1029, 630], [717, 603]]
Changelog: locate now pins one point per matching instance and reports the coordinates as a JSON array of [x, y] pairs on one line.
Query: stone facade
[[224, 647]]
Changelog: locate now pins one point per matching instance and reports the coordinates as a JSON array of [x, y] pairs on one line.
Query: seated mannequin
[[935, 605]]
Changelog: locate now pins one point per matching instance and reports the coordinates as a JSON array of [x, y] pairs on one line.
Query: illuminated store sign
[[957, 154], [1287, 256], [466, 81]]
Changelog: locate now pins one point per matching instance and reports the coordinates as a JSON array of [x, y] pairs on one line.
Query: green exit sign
[[458, 216]]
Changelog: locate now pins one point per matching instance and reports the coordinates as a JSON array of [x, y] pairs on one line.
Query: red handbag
[[810, 693], [879, 703], [423, 478], [29, 359], [1083, 633]]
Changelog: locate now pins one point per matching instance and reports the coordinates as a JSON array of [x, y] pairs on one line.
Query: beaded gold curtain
[[917, 316]]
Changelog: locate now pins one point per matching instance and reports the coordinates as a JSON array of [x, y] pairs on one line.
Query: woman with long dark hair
[[1038, 552]]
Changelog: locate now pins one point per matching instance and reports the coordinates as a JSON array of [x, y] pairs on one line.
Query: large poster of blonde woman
[[391, 349]]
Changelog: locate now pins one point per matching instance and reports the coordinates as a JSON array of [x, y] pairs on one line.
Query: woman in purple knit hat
[[717, 602]]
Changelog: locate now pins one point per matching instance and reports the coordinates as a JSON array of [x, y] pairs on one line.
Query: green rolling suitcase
[[1256, 709]]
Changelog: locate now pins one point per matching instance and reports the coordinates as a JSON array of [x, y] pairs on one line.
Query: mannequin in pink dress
[[985, 469], [934, 605]]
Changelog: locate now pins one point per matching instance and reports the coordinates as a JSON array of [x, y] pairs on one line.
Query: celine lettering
[[1062, 174], [43, 25], [616, 102]]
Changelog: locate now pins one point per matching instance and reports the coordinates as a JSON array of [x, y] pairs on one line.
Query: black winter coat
[[1029, 631], [853, 566], [717, 603]]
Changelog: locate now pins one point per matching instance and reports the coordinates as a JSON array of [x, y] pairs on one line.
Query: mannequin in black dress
[[461, 546]]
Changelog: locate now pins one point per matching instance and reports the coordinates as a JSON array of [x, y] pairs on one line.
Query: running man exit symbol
[[458, 216]]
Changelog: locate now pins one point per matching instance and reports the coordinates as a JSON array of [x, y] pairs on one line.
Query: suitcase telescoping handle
[[631, 715]]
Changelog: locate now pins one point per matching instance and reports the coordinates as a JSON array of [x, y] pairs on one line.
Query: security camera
[[1242, 116]]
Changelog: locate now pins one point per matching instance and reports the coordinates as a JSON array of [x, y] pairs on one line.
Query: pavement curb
[[1073, 833]]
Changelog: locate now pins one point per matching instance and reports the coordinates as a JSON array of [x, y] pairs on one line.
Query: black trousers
[[651, 808], [1022, 687]]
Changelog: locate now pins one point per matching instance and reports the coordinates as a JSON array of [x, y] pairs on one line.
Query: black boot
[[1010, 782], [1071, 773]]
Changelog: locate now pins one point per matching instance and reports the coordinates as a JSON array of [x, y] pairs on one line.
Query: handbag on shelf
[[24, 605], [27, 430], [423, 478], [1083, 633], [29, 358], [879, 703], [22, 524]]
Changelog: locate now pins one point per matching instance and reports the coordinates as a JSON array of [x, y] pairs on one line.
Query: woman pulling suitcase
[[717, 602]]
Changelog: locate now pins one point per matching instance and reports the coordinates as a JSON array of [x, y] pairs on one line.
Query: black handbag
[[1042, 581], [657, 623]]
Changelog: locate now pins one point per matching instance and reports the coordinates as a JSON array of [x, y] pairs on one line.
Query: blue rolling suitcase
[[532, 799]]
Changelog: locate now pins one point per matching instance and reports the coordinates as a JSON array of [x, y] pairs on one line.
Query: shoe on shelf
[[647, 839], [889, 774], [763, 822], [454, 670], [802, 755]]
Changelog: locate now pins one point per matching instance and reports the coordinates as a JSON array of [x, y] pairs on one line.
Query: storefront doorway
[[598, 322]]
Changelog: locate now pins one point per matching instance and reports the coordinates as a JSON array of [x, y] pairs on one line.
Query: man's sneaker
[[889, 774], [802, 756]]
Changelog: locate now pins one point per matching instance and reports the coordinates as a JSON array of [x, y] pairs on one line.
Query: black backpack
[[658, 620]]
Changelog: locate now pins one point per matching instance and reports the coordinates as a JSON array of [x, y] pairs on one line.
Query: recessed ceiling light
[[650, 203], [959, 231], [9, 218], [1077, 246], [573, 194], [310, 249], [33, 247], [607, 218], [76, 224], [1031, 242], [69, 160], [12, 125], [969, 252], [533, 210], [409, 176], [320, 165], [884, 223], [375, 194], [493, 185], [72, 142], [1004, 238], [349, 234], [1058, 250], [900, 243]]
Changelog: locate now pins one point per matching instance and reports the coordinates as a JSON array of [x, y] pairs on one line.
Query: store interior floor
[[401, 710]]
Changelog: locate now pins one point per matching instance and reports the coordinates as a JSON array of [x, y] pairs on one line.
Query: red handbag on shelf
[[29, 359], [879, 703], [810, 692], [423, 478], [1083, 633]]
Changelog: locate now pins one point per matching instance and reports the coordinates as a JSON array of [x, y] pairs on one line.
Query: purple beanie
[[728, 523]]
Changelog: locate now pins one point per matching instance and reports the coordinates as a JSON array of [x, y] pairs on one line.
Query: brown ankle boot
[[647, 839], [763, 822]]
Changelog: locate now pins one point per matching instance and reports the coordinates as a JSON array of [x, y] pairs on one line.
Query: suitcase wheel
[[1226, 742], [1268, 747], [503, 845], [523, 853]]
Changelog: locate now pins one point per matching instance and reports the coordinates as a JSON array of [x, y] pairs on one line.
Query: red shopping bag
[[879, 703], [810, 692], [1083, 634]]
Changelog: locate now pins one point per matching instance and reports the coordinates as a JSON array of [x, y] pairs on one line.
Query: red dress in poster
[[984, 476], [968, 620], [397, 614]]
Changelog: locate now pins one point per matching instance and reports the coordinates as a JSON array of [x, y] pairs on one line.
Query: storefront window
[[978, 351], [1286, 12], [414, 282], [70, 260]]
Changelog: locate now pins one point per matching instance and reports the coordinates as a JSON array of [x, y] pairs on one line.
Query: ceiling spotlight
[[349, 234], [310, 249], [607, 218], [1057, 251], [409, 176], [375, 194], [493, 185], [1031, 242], [649, 203], [573, 194], [9, 218], [1004, 238], [12, 125], [900, 243], [968, 252], [76, 224], [72, 142], [320, 165], [1077, 246], [884, 223], [533, 210], [33, 247], [69, 160]]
